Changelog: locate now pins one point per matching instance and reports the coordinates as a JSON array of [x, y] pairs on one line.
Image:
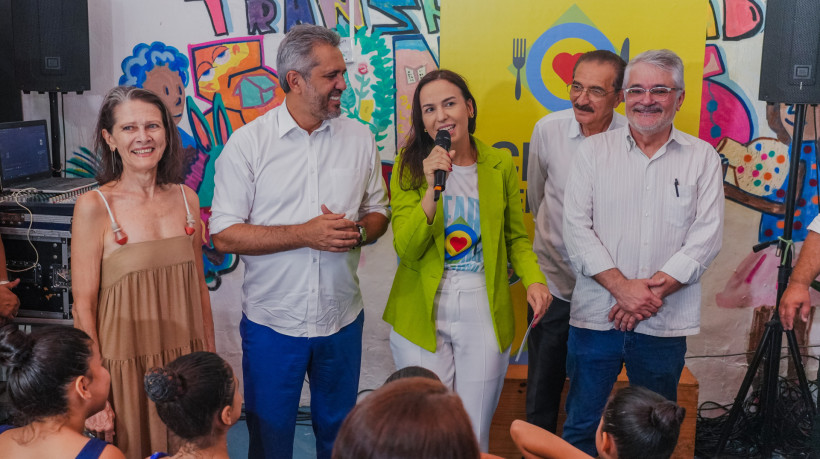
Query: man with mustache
[[643, 218], [298, 191], [594, 94]]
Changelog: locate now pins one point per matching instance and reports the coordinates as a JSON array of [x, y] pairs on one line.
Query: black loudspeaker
[[51, 45], [11, 107], [791, 52]]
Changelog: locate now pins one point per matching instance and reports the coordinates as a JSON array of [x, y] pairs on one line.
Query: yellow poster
[[518, 56]]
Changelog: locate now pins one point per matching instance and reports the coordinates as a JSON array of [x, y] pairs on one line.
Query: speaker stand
[[56, 160], [770, 344]]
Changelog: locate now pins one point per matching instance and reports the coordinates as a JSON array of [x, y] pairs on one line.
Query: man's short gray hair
[[296, 50], [664, 59]]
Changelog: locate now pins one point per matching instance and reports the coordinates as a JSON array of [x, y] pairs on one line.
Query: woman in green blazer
[[450, 305]]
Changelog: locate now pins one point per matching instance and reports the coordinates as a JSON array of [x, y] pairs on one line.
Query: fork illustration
[[519, 59]]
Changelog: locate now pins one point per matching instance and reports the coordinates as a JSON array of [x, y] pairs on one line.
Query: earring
[[425, 130], [113, 159]]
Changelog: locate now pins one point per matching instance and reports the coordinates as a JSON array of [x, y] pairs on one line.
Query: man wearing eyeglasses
[[594, 94], [643, 218]]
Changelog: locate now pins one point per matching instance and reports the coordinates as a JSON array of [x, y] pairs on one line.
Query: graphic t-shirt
[[462, 232]]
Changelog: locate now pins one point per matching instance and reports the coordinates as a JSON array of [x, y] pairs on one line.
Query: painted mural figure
[[757, 177], [643, 219], [138, 283], [595, 92], [163, 70], [450, 305], [235, 69], [298, 191]]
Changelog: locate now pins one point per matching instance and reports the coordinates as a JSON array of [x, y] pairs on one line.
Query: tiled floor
[[304, 445]]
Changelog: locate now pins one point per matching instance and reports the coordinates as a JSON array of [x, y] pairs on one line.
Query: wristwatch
[[362, 235]]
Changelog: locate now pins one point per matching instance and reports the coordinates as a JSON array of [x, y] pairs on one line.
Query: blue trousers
[[274, 367], [594, 359]]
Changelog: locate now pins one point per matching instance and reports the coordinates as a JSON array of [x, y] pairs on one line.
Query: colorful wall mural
[[213, 62]]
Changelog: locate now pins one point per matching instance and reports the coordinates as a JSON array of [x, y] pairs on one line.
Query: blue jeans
[[594, 359], [274, 367]]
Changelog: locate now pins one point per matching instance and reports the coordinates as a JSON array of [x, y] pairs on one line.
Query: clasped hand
[[636, 300], [330, 232]]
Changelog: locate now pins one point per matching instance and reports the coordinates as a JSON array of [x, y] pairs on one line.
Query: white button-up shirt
[[554, 144], [641, 215], [815, 225], [271, 173]]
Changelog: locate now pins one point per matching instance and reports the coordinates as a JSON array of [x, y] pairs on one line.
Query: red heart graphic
[[458, 243], [563, 65]]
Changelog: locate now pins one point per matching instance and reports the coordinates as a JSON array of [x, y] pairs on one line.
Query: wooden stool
[[512, 405]]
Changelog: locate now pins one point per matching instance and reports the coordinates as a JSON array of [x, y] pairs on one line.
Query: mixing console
[[36, 231], [51, 198]]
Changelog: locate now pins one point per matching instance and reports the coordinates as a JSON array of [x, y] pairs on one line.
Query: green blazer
[[420, 247]]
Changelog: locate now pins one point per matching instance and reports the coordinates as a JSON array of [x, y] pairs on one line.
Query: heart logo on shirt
[[458, 243], [563, 64]]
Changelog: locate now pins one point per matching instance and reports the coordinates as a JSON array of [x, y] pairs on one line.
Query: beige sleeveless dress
[[149, 313]]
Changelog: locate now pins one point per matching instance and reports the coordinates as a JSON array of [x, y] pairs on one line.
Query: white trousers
[[466, 358]]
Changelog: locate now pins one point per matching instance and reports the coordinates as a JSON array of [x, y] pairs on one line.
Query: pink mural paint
[[333, 10], [413, 59], [217, 16], [741, 19], [723, 113]]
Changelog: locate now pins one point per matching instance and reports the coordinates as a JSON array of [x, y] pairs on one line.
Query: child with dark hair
[[409, 418], [197, 397], [56, 381], [637, 423], [412, 372]]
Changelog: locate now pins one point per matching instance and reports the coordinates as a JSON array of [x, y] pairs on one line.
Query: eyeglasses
[[576, 90], [656, 93]]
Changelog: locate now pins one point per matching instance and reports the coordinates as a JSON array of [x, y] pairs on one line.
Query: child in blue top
[[56, 381]]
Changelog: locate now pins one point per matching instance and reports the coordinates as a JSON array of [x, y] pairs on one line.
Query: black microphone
[[443, 141]]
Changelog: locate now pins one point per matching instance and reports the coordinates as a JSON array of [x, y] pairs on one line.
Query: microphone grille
[[443, 139]]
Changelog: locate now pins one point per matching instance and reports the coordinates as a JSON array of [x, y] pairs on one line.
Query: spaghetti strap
[[107, 207], [92, 450], [119, 234], [189, 217]]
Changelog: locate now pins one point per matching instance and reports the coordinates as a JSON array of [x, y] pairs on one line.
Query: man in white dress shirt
[[298, 191], [595, 92], [643, 218]]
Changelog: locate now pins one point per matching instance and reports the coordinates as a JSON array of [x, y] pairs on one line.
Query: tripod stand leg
[[770, 386], [762, 347], [794, 351]]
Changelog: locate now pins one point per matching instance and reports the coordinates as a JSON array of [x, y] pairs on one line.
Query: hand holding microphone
[[443, 141]]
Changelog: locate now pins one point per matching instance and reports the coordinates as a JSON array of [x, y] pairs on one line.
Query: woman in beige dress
[[137, 277]]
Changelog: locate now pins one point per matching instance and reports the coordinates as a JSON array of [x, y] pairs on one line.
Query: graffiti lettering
[[298, 12], [396, 10], [432, 15], [217, 14], [335, 12], [263, 16]]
